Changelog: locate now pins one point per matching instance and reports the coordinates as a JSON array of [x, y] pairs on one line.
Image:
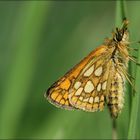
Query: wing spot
[[62, 101], [98, 71], [65, 95], [99, 87], [89, 87], [81, 98], [89, 71], [54, 95], [83, 105], [79, 91], [77, 85], [95, 106], [102, 98], [89, 106], [101, 106], [78, 102], [86, 100], [74, 99], [91, 100], [96, 100], [66, 103], [59, 98], [104, 85]]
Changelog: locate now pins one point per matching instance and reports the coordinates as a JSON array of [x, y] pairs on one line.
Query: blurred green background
[[39, 42]]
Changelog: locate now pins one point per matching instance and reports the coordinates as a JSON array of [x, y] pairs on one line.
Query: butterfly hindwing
[[89, 90]]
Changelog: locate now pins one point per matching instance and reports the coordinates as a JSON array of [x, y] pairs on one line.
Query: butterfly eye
[[119, 35]]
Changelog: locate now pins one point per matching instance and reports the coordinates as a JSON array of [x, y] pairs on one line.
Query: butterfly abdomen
[[115, 99]]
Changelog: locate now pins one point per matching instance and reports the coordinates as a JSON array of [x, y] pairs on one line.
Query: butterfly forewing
[[63, 91]]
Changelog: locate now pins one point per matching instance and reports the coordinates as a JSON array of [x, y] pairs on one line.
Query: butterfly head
[[122, 34]]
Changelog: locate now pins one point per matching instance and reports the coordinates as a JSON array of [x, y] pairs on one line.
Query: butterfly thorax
[[118, 44]]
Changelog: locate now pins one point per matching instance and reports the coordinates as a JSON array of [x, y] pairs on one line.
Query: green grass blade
[[120, 12], [123, 120], [135, 107]]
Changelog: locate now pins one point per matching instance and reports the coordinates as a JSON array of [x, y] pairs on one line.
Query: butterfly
[[99, 79]]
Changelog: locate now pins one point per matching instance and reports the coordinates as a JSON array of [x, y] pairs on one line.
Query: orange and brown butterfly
[[98, 79]]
